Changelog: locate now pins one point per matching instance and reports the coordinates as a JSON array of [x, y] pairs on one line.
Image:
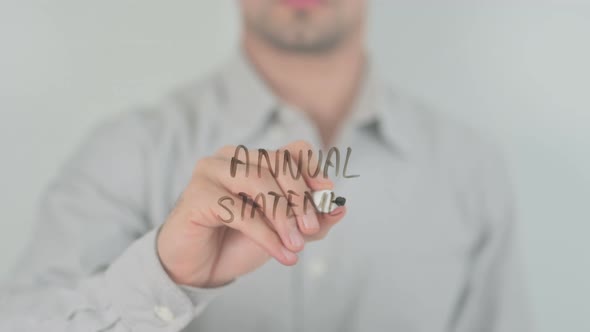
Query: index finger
[[308, 162]]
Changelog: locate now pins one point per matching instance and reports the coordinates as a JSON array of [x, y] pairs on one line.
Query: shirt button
[[317, 268], [164, 313]]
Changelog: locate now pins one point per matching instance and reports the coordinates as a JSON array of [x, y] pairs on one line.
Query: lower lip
[[302, 4]]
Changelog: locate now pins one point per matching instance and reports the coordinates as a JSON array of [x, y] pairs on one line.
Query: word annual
[[242, 157]]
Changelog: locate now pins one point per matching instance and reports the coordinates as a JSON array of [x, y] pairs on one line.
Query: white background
[[518, 70]]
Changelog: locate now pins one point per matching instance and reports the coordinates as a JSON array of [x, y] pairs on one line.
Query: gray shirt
[[428, 243]]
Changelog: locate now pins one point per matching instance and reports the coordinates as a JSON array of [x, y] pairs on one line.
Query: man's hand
[[198, 249]]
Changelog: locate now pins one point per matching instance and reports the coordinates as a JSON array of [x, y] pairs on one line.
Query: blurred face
[[304, 26]]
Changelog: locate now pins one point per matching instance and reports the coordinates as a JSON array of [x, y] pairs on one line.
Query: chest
[[399, 255]]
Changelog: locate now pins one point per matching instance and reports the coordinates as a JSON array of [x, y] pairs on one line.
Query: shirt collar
[[249, 100], [252, 104]]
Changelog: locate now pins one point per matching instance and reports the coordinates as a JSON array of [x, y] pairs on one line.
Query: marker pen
[[326, 202]]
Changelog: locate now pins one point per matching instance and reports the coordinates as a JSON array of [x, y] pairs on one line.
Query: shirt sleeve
[[92, 264], [495, 296]]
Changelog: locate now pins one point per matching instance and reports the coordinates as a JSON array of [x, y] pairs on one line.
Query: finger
[[298, 193], [327, 221], [226, 152], [265, 191], [262, 234], [304, 158], [255, 228], [311, 164]]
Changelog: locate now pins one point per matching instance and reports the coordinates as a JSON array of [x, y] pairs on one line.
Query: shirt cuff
[[145, 297]]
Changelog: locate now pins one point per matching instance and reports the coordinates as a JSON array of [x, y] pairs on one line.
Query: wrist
[[186, 256]]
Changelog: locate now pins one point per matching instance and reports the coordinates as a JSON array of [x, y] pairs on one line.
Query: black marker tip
[[340, 201]]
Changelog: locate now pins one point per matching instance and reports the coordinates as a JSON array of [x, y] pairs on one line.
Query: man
[[135, 234]]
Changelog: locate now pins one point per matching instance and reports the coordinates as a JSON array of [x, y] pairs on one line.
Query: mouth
[[302, 4]]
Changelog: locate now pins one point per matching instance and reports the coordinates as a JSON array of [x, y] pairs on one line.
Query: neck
[[323, 86]]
